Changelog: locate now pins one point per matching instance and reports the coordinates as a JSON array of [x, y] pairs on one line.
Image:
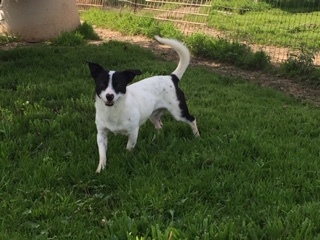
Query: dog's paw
[[130, 146], [159, 125], [130, 149], [195, 128], [101, 166]]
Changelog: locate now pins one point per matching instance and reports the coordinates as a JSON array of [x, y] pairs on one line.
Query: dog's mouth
[[109, 104]]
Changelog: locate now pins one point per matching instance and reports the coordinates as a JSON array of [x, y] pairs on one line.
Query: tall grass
[[271, 27], [222, 50], [253, 174], [79, 36]]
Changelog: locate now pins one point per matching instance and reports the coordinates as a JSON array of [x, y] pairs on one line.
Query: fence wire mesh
[[278, 27]]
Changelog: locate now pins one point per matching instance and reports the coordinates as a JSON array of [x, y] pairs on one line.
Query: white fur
[[146, 99]]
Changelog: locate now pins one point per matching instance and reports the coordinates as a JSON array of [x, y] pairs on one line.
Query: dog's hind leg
[[184, 116], [180, 112], [194, 128], [155, 118]]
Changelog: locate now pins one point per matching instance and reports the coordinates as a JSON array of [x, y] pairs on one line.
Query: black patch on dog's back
[[182, 100]]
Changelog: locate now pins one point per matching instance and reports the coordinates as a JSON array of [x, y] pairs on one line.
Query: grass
[[253, 174], [275, 23], [200, 45], [223, 50], [301, 64], [77, 37], [130, 24], [271, 27]]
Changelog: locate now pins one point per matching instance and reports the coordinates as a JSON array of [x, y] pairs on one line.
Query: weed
[[201, 45], [240, 6], [69, 39], [300, 63], [229, 52], [87, 31], [7, 39], [77, 37], [256, 61]]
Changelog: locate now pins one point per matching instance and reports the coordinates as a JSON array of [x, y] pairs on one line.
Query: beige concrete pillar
[[38, 20]]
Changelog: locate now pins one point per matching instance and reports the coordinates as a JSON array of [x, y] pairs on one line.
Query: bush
[[257, 61], [87, 32], [7, 39], [201, 45], [78, 37], [69, 39], [240, 6], [299, 64]]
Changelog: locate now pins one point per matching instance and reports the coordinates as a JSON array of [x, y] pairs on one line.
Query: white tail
[[182, 51]]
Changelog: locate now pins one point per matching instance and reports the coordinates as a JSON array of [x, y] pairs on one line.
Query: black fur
[[120, 80], [182, 100]]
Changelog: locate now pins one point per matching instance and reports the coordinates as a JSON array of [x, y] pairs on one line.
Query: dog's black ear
[[131, 74], [95, 69]]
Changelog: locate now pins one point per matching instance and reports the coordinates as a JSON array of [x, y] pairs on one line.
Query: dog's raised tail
[[182, 51]]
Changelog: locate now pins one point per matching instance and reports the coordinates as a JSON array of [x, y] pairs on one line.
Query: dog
[[122, 109]]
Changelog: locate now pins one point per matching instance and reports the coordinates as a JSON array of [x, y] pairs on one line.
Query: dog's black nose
[[109, 97]]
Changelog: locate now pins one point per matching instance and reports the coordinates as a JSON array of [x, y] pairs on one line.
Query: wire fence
[[279, 27]]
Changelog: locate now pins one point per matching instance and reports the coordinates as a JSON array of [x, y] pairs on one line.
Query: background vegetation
[[263, 23], [283, 23], [300, 64], [199, 44]]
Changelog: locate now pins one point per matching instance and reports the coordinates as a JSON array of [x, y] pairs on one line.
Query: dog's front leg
[[132, 140], [102, 141]]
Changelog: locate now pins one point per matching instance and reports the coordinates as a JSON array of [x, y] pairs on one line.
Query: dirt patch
[[288, 86], [12, 45]]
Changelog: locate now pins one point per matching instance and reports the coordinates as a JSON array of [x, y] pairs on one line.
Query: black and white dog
[[123, 109]]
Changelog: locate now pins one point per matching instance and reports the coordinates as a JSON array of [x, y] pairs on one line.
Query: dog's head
[[111, 85]]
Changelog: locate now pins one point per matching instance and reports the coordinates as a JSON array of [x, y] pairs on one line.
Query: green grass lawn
[[253, 174]]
